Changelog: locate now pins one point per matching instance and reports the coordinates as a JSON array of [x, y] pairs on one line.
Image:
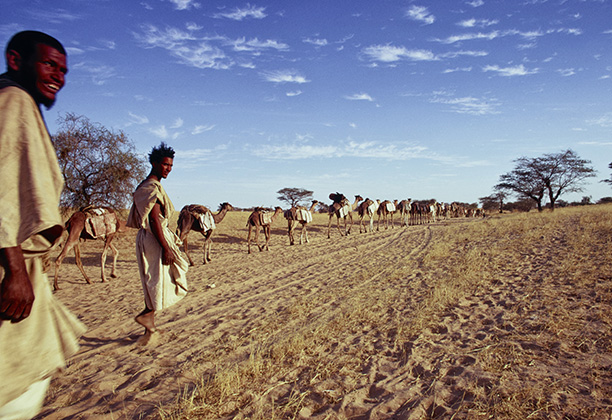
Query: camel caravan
[[102, 223]]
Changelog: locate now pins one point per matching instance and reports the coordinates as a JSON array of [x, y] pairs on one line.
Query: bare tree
[[294, 196], [100, 167], [555, 174]]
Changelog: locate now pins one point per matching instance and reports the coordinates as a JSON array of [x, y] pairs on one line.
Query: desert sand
[[506, 317]]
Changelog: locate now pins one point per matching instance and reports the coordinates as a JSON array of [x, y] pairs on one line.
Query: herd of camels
[[102, 223]]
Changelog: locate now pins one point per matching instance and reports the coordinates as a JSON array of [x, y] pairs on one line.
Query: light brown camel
[[302, 215], [404, 208], [261, 218], [90, 223], [385, 211], [194, 217], [342, 209], [367, 208]]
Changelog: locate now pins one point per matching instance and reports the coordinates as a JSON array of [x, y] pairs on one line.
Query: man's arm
[[157, 229], [16, 292]]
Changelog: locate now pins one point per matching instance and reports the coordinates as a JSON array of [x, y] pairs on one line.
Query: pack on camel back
[[204, 216], [99, 222]]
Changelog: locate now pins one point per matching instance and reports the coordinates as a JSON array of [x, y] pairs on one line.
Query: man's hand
[[16, 292], [167, 256]]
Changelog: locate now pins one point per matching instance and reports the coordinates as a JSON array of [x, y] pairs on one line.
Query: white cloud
[[390, 53], [294, 93], [420, 14], [603, 121], [469, 105], [566, 72], [359, 97], [137, 119], [185, 4], [254, 44], [99, 73], [480, 23], [319, 42], [519, 70], [198, 129], [475, 3], [350, 148], [284, 76], [160, 132], [178, 123], [249, 11], [456, 69]]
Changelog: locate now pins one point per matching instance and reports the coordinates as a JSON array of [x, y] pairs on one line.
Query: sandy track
[[266, 297]]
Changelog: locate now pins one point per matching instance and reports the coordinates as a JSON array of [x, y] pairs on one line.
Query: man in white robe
[[37, 333], [161, 266]]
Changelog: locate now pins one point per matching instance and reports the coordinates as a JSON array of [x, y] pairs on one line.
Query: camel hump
[[337, 197], [196, 208]]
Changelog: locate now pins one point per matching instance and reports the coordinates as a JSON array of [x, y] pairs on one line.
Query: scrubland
[[506, 317]]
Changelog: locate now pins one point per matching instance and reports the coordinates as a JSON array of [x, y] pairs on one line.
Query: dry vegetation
[[506, 317]]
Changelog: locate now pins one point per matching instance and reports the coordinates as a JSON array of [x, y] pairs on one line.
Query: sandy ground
[[432, 375]]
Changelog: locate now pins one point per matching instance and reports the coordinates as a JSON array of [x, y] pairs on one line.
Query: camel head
[[226, 206]]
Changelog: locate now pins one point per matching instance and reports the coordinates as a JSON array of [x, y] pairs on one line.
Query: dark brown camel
[[294, 217], [87, 224], [342, 209], [190, 220], [260, 218]]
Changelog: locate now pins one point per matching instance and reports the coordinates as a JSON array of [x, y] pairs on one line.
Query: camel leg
[[329, 226], [338, 224], [304, 234], [103, 259], [350, 226], [208, 247], [72, 241], [249, 241], [185, 247], [290, 231], [115, 256], [79, 263], [257, 238], [266, 231]]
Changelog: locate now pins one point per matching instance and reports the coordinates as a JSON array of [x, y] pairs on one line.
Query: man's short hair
[[25, 43], [158, 153]]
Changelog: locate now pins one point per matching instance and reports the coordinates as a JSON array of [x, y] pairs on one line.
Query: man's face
[[163, 168], [45, 74]]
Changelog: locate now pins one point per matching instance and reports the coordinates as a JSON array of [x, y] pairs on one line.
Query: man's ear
[[13, 60]]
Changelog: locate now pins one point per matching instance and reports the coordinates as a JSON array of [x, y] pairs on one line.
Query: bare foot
[[147, 319]]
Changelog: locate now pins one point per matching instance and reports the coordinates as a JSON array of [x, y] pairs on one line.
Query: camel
[[300, 215], [367, 208], [191, 218], [404, 208], [341, 208], [385, 211], [90, 223], [260, 218]]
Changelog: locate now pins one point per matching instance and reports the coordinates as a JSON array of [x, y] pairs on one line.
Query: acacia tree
[[494, 201], [100, 167], [609, 181], [555, 174], [294, 196]]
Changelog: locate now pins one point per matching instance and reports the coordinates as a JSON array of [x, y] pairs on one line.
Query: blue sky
[[385, 99]]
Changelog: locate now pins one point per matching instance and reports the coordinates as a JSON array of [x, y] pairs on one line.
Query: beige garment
[[163, 285], [36, 347]]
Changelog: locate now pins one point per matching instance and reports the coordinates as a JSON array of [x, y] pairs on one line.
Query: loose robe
[[163, 285], [36, 347]]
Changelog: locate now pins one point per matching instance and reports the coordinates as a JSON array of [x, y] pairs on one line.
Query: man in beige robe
[[161, 266], [37, 333]]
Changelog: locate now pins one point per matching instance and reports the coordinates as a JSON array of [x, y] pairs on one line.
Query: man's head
[[37, 62], [161, 159]]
